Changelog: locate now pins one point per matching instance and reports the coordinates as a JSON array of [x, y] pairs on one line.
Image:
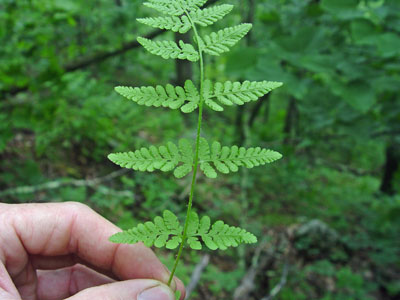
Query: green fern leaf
[[173, 23], [229, 159], [170, 96], [176, 7], [171, 8], [164, 158], [220, 236], [208, 16], [164, 231], [186, 150], [193, 225], [170, 49], [230, 93], [192, 96], [195, 3], [219, 42], [178, 294]]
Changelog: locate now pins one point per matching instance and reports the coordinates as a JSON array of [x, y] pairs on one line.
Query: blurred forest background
[[327, 215]]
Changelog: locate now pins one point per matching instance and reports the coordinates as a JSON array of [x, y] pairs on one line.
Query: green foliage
[[167, 232], [229, 93], [219, 42], [180, 23], [176, 24], [170, 96], [339, 62], [220, 236], [180, 159], [229, 159], [187, 98], [208, 16], [187, 157], [170, 49], [177, 294], [173, 8]]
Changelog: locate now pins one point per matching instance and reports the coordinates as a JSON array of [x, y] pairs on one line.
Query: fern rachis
[[167, 231]]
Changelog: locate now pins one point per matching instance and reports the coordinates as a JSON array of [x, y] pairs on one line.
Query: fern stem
[[196, 157]]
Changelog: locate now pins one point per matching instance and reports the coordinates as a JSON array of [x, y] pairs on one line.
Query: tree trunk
[[291, 121], [391, 166], [257, 108]]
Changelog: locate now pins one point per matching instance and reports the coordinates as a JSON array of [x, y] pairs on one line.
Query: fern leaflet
[[220, 41], [229, 93], [164, 158], [173, 23], [195, 3], [164, 231], [171, 8], [180, 159], [168, 96], [170, 49], [209, 16], [229, 159], [167, 231], [176, 7], [220, 236]]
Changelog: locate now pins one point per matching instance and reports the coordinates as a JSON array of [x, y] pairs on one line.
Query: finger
[[7, 296], [139, 289], [63, 261], [40, 262], [65, 282], [63, 228], [7, 288]]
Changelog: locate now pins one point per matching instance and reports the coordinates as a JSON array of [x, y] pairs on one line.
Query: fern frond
[[220, 41], [170, 49], [229, 93], [164, 231], [164, 158], [229, 159], [175, 7], [168, 96], [208, 16], [220, 236], [176, 24], [195, 3], [171, 8]]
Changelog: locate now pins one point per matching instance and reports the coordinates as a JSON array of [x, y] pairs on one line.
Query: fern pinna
[[211, 158]]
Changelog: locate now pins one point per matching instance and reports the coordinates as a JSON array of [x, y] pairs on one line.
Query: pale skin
[[61, 250]]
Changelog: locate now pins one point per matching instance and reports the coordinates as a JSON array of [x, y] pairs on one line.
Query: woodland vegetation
[[327, 215]]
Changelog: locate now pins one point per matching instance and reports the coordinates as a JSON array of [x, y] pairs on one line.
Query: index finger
[[63, 228]]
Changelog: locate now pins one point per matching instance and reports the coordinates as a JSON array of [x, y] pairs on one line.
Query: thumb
[[138, 289]]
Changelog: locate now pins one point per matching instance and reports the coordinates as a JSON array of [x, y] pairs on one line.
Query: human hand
[[60, 250]]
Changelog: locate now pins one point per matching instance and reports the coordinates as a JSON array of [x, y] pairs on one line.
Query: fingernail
[[156, 293]]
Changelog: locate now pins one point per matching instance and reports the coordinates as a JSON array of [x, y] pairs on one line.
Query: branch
[[198, 270], [104, 55], [60, 183], [247, 285], [99, 57], [275, 291]]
